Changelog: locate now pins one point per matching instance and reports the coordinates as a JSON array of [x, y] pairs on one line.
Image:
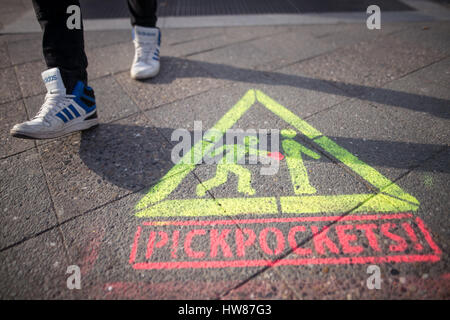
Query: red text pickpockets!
[[348, 239]]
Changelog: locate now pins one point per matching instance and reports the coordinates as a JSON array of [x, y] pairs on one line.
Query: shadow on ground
[[134, 157], [173, 68], [131, 158]]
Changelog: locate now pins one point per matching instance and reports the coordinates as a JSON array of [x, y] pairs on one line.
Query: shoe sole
[[144, 76], [78, 126]]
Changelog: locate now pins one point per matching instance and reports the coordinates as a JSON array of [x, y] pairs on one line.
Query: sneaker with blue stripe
[[147, 42], [61, 113]]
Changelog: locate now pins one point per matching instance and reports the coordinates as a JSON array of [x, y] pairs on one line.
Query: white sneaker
[[146, 58], [61, 113]]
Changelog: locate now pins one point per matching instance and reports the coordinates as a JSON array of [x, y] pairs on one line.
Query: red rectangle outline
[[271, 220], [282, 262]]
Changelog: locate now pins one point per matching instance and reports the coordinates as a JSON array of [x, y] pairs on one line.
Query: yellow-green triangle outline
[[391, 198]]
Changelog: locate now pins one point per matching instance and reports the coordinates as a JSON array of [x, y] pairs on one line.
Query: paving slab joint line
[[290, 251], [415, 70], [333, 160], [290, 29], [52, 202], [195, 39], [145, 110], [357, 176], [49, 141], [291, 63], [323, 53], [145, 188], [433, 156], [361, 95], [127, 41], [42, 59], [343, 46], [25, 239], [232, 44], [61, 223], [310, 238], [17, 153], [411, 169], [347, 99]]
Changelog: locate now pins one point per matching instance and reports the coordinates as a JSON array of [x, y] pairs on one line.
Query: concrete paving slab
[[117, 200], [359, 67], [181, 42], [31, 83], [109, 60], [266, 286], [350, 283], [13, 37], [364, 114], [429, 183], [10, 114], [25, 51], [102, 38], [419, 106], [324, 175], [112, 101], [101, 175], [9, 88], [4, 57], [328, 178], [35, 269], [187, 42], [10, 14], [296, 46], [29, 48], [26, 205], [373, 137], [178, 78], [438, 72], [302, 95], [207, 107], [173, 37], [240, 55], [344, 34], [103, 241], [400, 280], [429, 34], [297, 94]]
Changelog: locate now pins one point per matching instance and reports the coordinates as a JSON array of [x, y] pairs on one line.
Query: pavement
[[371, 106]]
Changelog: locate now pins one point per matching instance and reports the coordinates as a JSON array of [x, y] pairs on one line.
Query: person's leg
[[147, 38], [69, 104], [143, 13], [62, 47]]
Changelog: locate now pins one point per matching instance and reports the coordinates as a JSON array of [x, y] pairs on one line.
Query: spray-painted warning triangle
[[390, 198]]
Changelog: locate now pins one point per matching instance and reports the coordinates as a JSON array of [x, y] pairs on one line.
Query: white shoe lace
[[54, 102]]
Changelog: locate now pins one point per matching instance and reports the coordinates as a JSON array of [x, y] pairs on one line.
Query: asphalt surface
[[372, 104]]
